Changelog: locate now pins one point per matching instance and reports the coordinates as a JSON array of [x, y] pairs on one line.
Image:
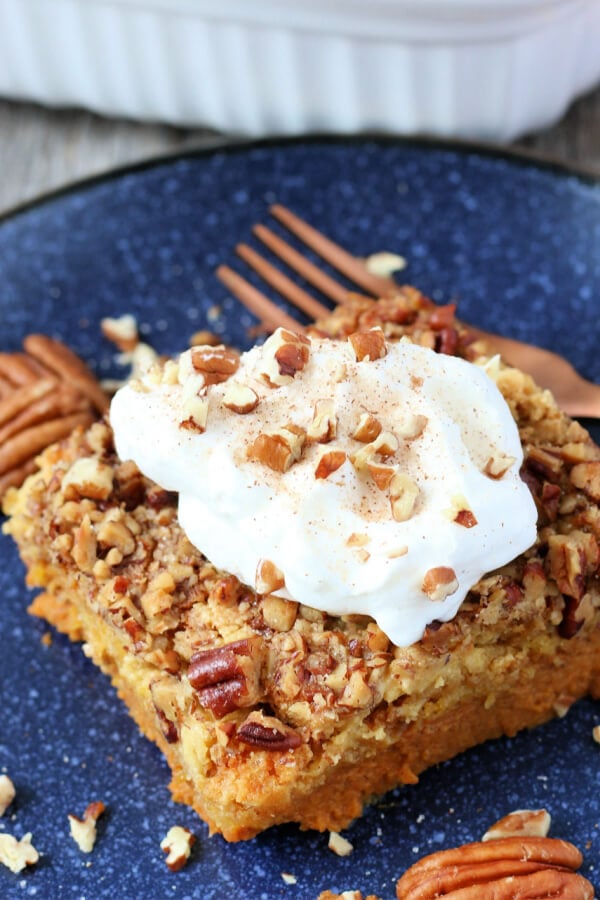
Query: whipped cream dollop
[[356, 477]]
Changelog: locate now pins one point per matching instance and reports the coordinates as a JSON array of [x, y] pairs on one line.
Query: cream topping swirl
[[356, 477]]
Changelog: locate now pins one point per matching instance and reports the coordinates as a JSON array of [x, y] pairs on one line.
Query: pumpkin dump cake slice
[[396, 605]]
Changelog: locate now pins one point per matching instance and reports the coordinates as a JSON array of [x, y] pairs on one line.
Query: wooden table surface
[[42, 149]]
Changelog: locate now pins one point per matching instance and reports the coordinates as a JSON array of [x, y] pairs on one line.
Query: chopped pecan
[[284, 354], [544, 463], [571, 557], [447, 341], [121, 331], [586, 477], [215, 364], [267, 733], [323, 427], [367, 428], [411, 426], [384, 445], [497, 466], [278, 450], [177, 844], [164, 693], [194, 405], [329, 463], [7, 793], [203, 336], [439, 582], [466, 518], [339, 844], [84, 545], [16, 855], [228, 677], [520, 823], [404, 494], [368, 345], [268, 577], [83, 831], [278, 613], [240, 398], [442, 317], [116, 534]]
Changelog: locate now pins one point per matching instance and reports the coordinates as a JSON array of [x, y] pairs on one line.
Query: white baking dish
[[470, 68]]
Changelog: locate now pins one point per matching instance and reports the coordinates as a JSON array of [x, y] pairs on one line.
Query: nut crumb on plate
[[177, 844], [520, 823], [83, 831], [339, 844], [7, 793], [122, 331], [16, 855]]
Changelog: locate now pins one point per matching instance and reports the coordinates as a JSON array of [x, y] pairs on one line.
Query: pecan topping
[[571, 558], [285, 354], [404, 494], [586, 477], [330, 462], [228, 677], [367, 428], [439, 582], [466, 518], [215, 364], [278, 450], [267, 733], [268, 577], [368, 345], [497, 466], [240, 398], [323, 427]]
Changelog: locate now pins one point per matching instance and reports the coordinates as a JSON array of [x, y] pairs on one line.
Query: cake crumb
[[288, 878], [16, 855], [339, 844], [596, 733], [7, 793]]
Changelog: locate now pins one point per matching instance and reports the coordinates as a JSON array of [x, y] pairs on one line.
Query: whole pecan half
[[267, 733], [228, 677], [502, 869]]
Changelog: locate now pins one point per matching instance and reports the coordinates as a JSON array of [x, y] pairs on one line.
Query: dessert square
[[269, 710]]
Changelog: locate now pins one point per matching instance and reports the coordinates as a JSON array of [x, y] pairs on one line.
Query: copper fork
[[573, 393]]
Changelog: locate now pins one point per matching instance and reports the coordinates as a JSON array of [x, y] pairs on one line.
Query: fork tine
[[270, 315], [340, 259], [282, 284], [303, 266]]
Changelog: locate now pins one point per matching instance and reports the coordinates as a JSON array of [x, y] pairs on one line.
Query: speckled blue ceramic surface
[[518, 245]]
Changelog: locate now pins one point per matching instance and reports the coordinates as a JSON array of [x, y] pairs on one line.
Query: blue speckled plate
[[518, 245]]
